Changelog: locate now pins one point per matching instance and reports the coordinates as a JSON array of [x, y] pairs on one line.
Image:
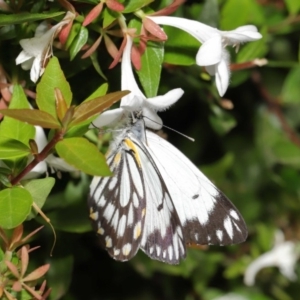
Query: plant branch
[[275, 107], [287, 22], [258, 62], [39, 157]]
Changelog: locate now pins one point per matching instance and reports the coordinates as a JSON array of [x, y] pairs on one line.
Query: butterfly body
[[158, 201]]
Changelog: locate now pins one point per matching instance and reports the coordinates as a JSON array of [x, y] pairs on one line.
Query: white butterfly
[[158, 200]]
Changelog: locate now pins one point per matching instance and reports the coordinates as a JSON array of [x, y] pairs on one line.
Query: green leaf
[[92, 107], [287, 153], [4, 177], [292, 6], [60, 275], [32, 116], [12, 149], [95, 62], [13, 128], [72, 35], [79, 41], [291, 87], [83, 155], [237, 13], [109, 17], [131, 6], [26, 17], [151, 68], [176, 52], [210, 13], [71, 219], [52, 78], [273, 142], [221, 121], [15, 205], [100, 91], [39, 190]]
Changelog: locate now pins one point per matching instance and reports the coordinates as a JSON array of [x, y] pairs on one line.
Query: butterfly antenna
[[184, 135]]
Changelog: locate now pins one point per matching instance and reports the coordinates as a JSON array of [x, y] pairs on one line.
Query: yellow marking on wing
[[137, 231], [126, 249], [100, 231], [143, 212], [108, 242], [131, 146], [117, 158], [93, 215]]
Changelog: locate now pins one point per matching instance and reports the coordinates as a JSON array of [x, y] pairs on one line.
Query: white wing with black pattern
[[157, 200], [206, 214]]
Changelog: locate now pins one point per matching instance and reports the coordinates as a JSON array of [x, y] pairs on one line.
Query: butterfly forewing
[[162, 235], [118, 203], [206, 214]]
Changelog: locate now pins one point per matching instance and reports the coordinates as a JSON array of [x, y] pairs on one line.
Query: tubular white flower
[[136, 100], [212, 54], [231, 296], [37, 49], [283, 255]]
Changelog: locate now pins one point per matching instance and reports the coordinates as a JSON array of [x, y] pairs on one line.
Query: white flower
[[52, 161], [283, 255], [231, 296], [36, 50], [212, 54], [136, 100]]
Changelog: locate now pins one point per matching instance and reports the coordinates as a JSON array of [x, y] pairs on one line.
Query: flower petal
[[210, 53], [41, 29], [132, 102], [58, 163], [163, 102], [108, 117], [152, 120], [22, 57], [36, 68], [38, 170], [128, 82], [198, 30], [223, 74], [241, 34]]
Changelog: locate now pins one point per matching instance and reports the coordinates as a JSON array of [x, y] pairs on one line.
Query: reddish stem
[[274, 106], [38, 157]]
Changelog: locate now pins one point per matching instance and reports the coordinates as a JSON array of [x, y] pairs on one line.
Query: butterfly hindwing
[[118, 203], [206, 214]]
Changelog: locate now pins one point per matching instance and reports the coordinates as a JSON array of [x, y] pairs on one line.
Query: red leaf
[[24, 260], [37, 273], [114, 5], [12, 268], [93, 14]]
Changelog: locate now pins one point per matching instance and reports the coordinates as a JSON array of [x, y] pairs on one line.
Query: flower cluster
[[212, 55]]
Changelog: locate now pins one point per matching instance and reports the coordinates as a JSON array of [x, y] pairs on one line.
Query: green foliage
[[15, 205], [52, 79], [92, 163], [78, 42], [151, 68], [26, 17]]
